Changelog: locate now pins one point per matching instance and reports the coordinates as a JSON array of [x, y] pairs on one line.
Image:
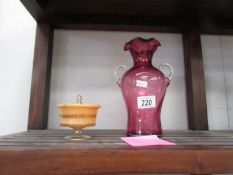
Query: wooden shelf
[[47, 152], [163, 15]]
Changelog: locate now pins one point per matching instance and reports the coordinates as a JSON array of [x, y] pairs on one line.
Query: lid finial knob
[[79, 99]]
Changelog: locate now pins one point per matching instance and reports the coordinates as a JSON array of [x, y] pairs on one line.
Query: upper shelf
[[173, 13]]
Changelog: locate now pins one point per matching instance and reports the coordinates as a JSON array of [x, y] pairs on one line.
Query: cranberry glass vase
[[143, 88]]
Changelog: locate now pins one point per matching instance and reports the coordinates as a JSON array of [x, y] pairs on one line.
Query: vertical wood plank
[[195, 83], [39, 100]]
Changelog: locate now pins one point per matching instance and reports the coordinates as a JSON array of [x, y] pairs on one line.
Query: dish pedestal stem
[[77, 136]]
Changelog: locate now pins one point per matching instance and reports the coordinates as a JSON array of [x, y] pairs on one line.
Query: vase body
[[143, 88]]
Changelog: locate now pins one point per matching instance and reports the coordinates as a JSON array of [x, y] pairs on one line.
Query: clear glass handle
[[118, 73], [167, 70]]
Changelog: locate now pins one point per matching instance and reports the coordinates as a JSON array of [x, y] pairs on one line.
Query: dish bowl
[[78, 116]]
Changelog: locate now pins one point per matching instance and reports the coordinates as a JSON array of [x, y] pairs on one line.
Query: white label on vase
[[140, 83], [146, 102]]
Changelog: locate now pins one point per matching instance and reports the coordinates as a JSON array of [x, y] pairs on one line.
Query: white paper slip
[[140, 83], [146, 102]]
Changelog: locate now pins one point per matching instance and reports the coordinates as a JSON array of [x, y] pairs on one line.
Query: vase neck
[[142, 59]]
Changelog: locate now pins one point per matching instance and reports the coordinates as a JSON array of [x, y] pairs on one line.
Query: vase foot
[[135, 134]]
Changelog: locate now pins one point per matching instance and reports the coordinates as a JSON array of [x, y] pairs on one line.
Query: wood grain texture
[[195, 83], [47, 152], [109, 139], [100, 161], [38, 112], [168, 15]]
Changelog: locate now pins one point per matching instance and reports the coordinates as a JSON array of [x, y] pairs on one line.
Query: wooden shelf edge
[[46, 152]]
